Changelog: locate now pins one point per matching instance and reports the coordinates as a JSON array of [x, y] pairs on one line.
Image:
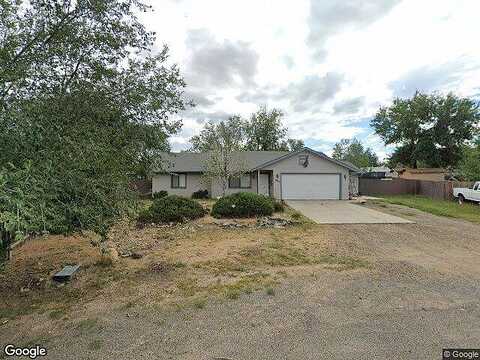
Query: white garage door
[[310, 186]]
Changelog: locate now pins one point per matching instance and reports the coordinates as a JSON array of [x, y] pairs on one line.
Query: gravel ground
[[421, 295]]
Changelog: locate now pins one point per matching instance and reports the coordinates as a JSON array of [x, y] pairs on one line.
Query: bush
[[160, 194], [296, 215], [243, 205], [278, 205], [172, 208], [200, 194]]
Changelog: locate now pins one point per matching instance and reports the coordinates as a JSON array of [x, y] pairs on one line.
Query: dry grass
[[466, 211], [27, 277], [181, 265]]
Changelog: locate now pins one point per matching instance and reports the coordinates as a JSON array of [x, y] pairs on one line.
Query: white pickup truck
[[472, 194]]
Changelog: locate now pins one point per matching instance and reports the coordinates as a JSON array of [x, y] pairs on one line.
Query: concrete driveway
[[342, 212]]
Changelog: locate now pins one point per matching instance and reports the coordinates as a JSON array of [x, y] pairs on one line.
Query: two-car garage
[[310, 186]]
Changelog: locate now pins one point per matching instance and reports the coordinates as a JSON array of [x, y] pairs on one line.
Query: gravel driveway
[[421, 295]]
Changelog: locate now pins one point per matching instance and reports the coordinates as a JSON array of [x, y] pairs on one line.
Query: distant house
[[430, 174], [304, 175], [378, 172]]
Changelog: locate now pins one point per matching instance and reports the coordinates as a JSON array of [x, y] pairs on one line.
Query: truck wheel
[[461, 199]]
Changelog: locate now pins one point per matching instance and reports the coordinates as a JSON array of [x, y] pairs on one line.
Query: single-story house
[[304, 174], [430, 174]]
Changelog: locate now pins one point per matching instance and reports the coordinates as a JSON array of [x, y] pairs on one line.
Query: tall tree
[[264, 131], [469, 165], [84, 106], [223, 143], [229, 133], [353, 151], [293, 145], [428, 129]]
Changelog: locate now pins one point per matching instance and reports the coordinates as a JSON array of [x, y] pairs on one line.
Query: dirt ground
[[201, 291]]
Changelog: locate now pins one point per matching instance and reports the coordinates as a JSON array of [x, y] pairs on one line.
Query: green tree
[[428, 129], [293, 144], [229, 133], [469, 165], [353, 151], [84, 107], [264, 131], [223, 142]]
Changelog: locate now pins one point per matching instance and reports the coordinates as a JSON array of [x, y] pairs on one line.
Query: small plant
[[232, 293], [172, 208], [56, 314], [296, 215], [199, 303], [200, 194], [270, 291], [95, 344], [159, 195], [241, 205], [278, 205]]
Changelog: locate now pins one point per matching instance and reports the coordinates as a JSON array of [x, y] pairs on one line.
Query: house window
[[179, 181], [240, 182]]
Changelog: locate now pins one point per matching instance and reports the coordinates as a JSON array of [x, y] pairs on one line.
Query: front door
[[263, 184]]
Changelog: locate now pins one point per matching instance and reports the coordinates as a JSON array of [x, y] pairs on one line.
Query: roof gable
[[254, 160], [311, 151]]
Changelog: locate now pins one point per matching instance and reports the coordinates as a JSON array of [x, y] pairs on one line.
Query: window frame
[[178, 175], [230, 186]]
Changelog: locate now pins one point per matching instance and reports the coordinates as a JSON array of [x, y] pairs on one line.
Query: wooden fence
[[439, 190]]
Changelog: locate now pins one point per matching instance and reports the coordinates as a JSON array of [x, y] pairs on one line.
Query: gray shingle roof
[[195, 162]]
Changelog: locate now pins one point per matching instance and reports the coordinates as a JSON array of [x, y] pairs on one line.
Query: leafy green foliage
[[296, 215], [228, 134], [446, 208], [222, 141], [85, 107], [160, 194], [243, 204], [428, 129], [36, 199], [278, 206], [262, 132], [172, 208], [200, 194], [354, 152], [469, 166]]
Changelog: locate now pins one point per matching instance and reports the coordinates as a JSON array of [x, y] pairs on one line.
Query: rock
[[136, 255], [273, 222]]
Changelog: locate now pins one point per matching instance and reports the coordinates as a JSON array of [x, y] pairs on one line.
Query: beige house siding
[[195, 182], [317, 165], [217, 187]]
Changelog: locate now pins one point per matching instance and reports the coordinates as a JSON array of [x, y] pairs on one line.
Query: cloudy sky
[[328, 64]]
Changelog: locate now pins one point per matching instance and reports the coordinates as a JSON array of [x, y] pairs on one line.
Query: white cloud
[[262, 52]]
